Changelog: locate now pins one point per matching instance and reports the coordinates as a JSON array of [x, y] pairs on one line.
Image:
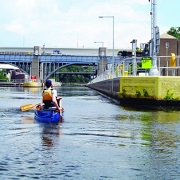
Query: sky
[[76, 23]]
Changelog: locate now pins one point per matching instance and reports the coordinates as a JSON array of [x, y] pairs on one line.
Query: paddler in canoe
[[49, 98]]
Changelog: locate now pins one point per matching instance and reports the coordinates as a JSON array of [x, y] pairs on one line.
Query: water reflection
[[50, 132], [166, 117], [158, 128], [27, 120], [160, 132], [50, 135], [32, 89]]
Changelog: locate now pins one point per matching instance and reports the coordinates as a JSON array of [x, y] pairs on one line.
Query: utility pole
[[154, 39]]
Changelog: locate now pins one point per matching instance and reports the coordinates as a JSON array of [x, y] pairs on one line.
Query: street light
[[113, 47], [134, 46]]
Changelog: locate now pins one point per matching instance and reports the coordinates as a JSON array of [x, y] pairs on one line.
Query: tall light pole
[[134, 46], [113, 47]]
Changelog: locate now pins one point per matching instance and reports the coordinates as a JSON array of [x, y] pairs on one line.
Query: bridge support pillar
[[35, 67], [102, 59]]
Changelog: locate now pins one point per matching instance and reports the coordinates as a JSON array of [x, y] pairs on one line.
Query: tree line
[[175, 32], [75, 78]]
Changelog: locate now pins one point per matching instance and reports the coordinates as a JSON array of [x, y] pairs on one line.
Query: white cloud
[[15, 27], [68, 23]]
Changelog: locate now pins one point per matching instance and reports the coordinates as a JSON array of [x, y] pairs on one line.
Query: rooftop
[[7, 66], [166, 36]]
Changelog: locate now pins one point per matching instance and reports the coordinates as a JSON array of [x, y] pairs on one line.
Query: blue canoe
[[47, 116]]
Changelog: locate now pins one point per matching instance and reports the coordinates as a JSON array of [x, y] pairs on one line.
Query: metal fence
[[166, 66]]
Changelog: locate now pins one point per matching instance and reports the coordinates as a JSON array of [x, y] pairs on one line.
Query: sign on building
[[146, 63]]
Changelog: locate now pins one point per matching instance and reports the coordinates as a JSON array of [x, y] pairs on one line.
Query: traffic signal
[[172, 60]]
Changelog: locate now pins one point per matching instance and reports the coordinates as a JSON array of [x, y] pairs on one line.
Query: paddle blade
[[27, 107], [61, 112], [61, 106]]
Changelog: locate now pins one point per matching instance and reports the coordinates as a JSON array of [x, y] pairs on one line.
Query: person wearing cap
[[49, 96]]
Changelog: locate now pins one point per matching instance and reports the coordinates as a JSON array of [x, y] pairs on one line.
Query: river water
[[99, 139]]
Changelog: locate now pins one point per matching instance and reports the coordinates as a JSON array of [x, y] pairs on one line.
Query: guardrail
[[11, 83], [15, 53], [166, 66]]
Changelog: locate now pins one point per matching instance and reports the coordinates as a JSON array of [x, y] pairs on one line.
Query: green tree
[[3, 75], [174, 31], [75, 78]]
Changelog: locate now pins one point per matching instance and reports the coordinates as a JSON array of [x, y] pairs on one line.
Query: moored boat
[[32, 84], [47, 116]]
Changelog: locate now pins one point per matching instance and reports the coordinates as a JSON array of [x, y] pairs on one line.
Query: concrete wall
[[159, 87], [148, 90], [105, 87]]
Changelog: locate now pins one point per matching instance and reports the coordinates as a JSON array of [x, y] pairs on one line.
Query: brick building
[[168, 45]]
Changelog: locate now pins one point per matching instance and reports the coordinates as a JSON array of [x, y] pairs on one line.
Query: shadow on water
[[150, 108], [50, 134]]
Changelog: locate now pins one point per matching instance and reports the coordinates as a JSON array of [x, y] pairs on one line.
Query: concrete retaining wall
[[159, 90], [108, 87], [159, 87]]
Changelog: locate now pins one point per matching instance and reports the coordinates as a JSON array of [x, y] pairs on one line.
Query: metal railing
[[13, 81], [125, 68]]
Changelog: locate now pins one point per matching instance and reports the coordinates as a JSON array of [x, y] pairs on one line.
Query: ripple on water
[[98, 140]]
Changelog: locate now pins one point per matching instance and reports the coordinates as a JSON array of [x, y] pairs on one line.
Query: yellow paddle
[[27, 107]]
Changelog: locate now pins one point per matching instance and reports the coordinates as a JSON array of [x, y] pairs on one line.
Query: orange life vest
[[47, 95], [47, 98]]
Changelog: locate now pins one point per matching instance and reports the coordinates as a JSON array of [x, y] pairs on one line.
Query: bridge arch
[[32, 64], [65, 65]]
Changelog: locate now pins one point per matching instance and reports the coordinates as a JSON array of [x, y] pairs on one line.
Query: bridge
[[77, 73], [43, 65]]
